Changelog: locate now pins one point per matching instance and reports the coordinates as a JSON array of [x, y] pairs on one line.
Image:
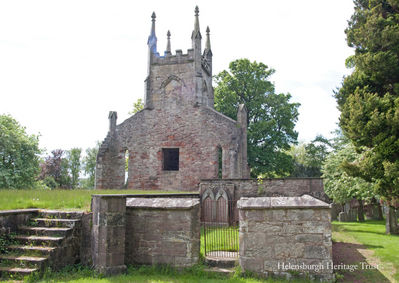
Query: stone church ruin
[[176, 140], [179, 142]]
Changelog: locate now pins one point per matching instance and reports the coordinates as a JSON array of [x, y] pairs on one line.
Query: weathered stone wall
[[108, 233], [11, 219], [288, 187], [163, 231], [279, 235], [85, 243]]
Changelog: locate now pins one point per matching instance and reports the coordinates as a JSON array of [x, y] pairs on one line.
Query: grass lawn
[[151, 274], [355, 243], [219, 239], [58, 199]]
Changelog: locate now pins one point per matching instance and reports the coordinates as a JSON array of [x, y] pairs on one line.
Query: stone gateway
[[176, 140]]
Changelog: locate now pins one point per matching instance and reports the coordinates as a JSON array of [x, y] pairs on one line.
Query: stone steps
[[54, 222], [39, 244], [23, 258], [51, 214], [222, 262], [45, 231], [32, 249], [23, 271], [39, 240], [220, 270]]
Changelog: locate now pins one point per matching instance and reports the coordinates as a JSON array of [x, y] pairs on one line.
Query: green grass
[[372, 235], [147, 274], [219, 239], [58, 198]]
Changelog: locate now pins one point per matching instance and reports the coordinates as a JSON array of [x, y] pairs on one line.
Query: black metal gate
[[219, 229]]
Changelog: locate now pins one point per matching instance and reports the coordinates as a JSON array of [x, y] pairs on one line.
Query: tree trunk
[[360, 213], [379, 207], [391, 224]]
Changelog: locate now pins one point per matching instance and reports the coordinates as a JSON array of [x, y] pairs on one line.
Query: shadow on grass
[[354, 266]]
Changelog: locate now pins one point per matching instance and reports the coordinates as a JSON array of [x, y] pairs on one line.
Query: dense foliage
[[19, 161], [308, 158], [340, 186], [271, 116], [369, 97], [89, 166], [62, 169]]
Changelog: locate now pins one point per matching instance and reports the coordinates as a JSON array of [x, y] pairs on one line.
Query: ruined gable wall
[[196, 131]]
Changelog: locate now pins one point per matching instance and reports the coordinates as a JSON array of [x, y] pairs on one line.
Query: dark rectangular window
[[170, 159]]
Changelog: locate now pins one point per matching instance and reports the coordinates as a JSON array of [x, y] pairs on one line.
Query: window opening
[[220, 162], [170, 159]]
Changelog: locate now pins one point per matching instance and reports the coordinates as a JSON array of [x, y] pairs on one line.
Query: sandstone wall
[[196, 131], [289, 187], [163, 231], [281, 235], [11, 219]]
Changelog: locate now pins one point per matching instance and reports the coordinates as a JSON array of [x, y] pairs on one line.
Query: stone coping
[[18, 211], [162, 203], [182, 195], [256, 180], [304, 201]]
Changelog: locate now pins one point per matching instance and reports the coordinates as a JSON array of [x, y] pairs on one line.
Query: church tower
[[178, 139], [190, 73]]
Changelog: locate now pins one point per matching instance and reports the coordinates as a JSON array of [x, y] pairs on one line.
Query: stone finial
[[153, 17], [196, 31], [112, 117], [208, 39], [168, 43], [152, 39]]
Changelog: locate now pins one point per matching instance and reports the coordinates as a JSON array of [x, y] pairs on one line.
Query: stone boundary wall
[[163, 231], [11, 219], [85, 244], [285, 187], [145, 229], [285, 235]]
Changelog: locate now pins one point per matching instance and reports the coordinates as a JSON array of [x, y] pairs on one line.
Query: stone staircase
[[51, 239]]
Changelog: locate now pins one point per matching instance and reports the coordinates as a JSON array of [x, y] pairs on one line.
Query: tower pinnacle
[[168, 50], [152, 39], [208, 39], [196, 31]]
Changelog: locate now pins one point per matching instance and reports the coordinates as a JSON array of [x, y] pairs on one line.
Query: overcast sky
[[65, 64]]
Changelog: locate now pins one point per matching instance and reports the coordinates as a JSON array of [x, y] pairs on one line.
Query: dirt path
[[350, 252]]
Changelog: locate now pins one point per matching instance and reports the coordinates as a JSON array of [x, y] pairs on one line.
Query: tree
[[369, 97], [137, 106], [339, 185], [89, 165], [74, 166], [19, 161], [309, 158], [271, 116], [53, 169]]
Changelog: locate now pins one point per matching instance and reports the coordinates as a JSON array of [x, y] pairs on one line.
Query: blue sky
[[65, 64]]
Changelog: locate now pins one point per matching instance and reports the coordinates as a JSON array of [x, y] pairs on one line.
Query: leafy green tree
[[309, 158], [55, 170], [369, 97], [271, 116], [74, 165], [89, 165], [19, 161], [339, 185], [137, 106]]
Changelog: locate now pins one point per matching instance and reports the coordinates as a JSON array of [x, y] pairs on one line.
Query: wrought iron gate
[[219, 229]]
